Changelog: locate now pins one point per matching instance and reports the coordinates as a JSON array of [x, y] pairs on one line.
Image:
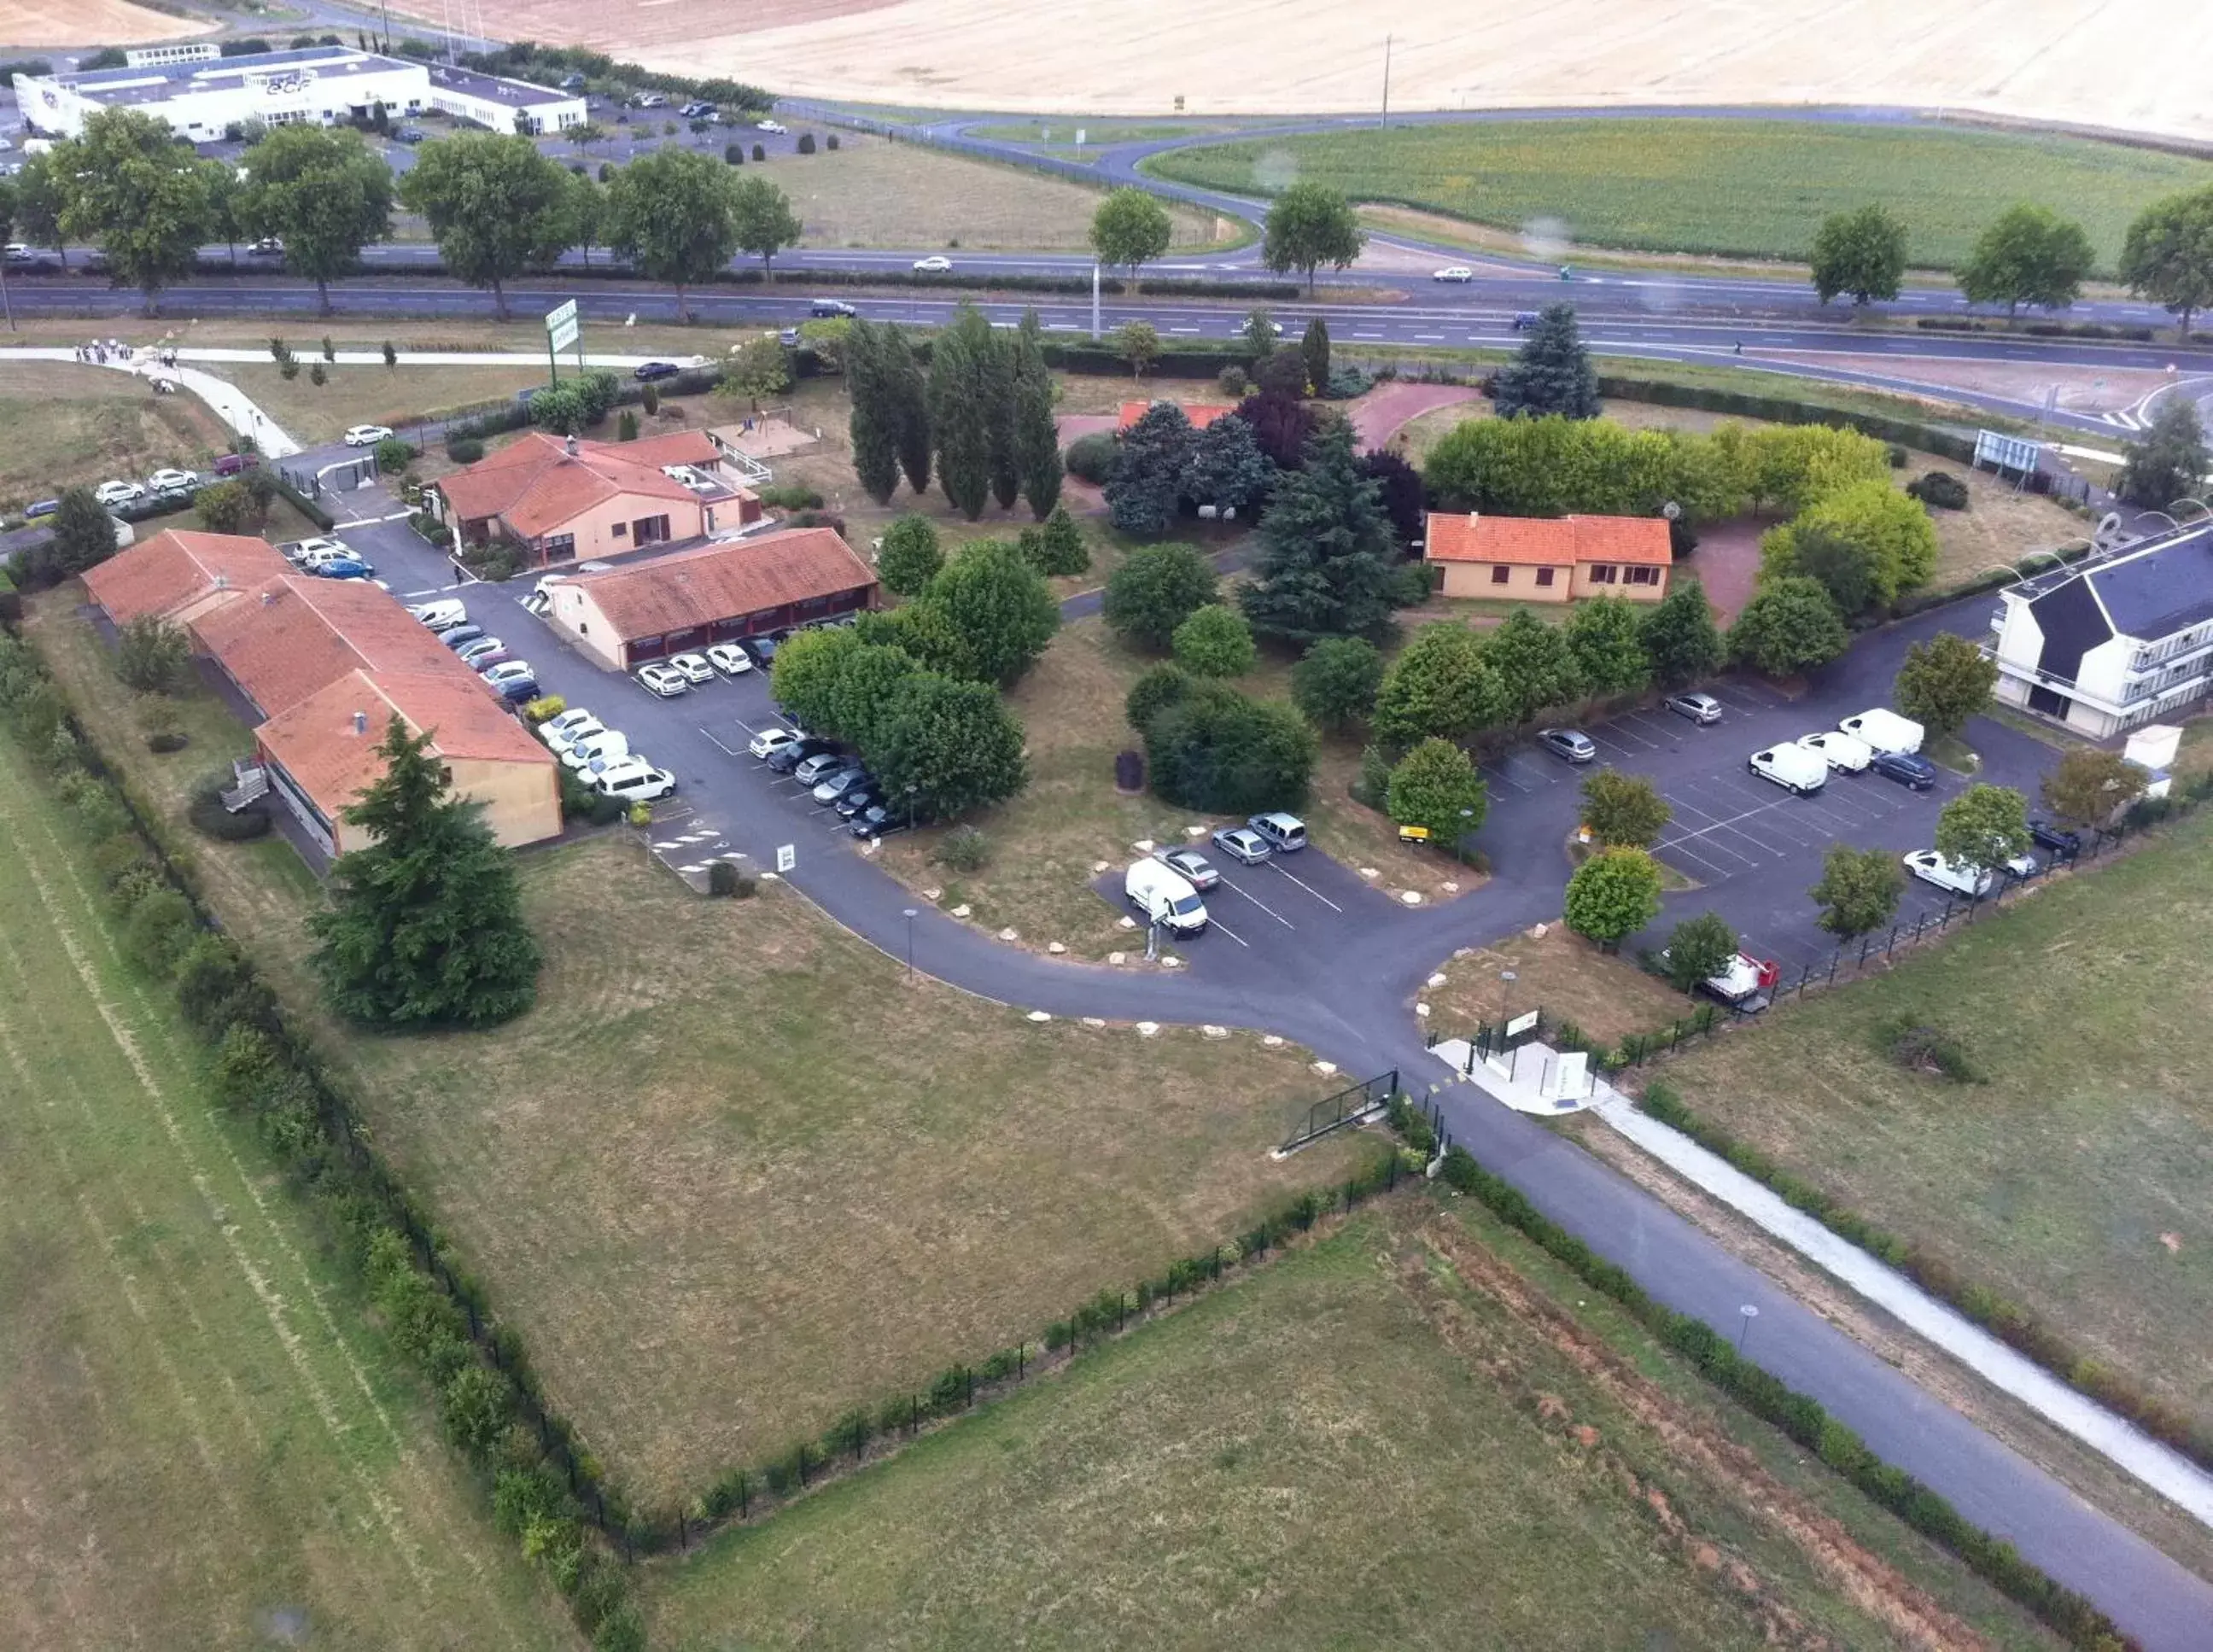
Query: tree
[[867, 691], [1399, 489], [225, 198], [152, 656], [910, 559], [130, 186], [2167, 256], [804, 678], [1155, 589], [998, 606], [494, 206], [1859, 890], [1138, 343], [1157, 687], [1129, 230], [1214, 642], [1943, 682], [84, 533], [762, 221], [1606, 636], [1282, 423], [39, 202], [1535, 663], [1896, 540], [1624, 810], [1551, 373], [1984, 827], [1259, 333], [907, 393], [587, 214], [960, 409], [1790, 625], [1699, 949], [1334, 683], [1055, 546], [2029, 255], [1613, 895], [1142, 494], [955, 743], [1310, 225], [2170, 463], [425, 926], [1224, 753], [874, 424], [2089, 786], [1323, 568], [1434, 786], [1680, 636], [1313, 349], [1443, 685], [1861, 252], [675, 216], [325, 192], [1842, 565], [756, 369], [1226, 467], [1036, 438], [226, 508]]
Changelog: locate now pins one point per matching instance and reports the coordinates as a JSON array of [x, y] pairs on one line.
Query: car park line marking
[[1720, 873], [727, 751], [1308, 887], [1256, 901], [1718, 826], [1669, 730], [1631, 735], [1503, 777], [1217, 922]]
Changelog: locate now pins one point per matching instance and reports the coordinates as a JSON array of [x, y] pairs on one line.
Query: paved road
[[1322, 959]]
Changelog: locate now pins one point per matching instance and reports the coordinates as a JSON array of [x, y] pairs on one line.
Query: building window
[[560, 547], [1500, 575], [1544, 576], [1601, 573], [1640, 577], [619, 530]]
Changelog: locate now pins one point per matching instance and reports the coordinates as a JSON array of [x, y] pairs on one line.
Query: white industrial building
[[204, 99], [2112, 645]]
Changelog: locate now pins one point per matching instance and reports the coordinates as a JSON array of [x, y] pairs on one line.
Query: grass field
[[61, 424], [206, 1446], [1750, 188], [1559, 972], [43, 22], [2073, 1181], [1389, 1438], [370, 394]]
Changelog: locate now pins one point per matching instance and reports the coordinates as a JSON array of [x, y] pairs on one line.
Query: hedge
[[301, 503], [2141, 335], [1783, 410]]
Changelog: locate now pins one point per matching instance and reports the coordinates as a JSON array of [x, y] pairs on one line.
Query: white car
[[308, 552], [444, 613], [1932, 867], [18, 253], [770, 742], [777, 127], [469, 653], [562, 731], [366, 435], [603, 748], [164, 481], [664, 680], [118, 493], [694, 666], [1840, 751], [511, 671], [729, 659], [935, 264], [1453, 272], [634, 780]]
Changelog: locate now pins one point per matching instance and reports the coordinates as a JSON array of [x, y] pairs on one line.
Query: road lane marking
[[1217, 923], [1308, 887], [1256, 901], [727, 751]]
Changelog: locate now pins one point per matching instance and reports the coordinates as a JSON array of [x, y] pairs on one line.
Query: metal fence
[[1347, 1106]]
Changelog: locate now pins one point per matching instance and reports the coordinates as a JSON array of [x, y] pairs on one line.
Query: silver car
[[1699, 708], [1570, 744]]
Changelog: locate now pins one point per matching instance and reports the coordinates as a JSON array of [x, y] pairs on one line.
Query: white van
[[1884, 730], [608, 743], [1792, 767], [1847, 752], [1164, 897]]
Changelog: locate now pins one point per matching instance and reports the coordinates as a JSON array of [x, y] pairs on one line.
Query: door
[[2048, 702]]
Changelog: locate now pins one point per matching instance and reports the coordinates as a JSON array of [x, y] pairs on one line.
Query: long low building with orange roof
[[1549, 559]]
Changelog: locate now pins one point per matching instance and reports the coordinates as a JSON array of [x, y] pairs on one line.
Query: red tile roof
[[1200, 414], [175, 570], [536, 485], [1548, 541], [724, 582], [316, 742], [295, 636]]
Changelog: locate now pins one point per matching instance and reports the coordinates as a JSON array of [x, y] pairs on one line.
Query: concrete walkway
[[2166, 1471], [225, 399]]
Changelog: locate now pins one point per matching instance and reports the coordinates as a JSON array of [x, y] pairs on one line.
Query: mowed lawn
[[1746, 188], [2075, 1181], [1356, 1447], [371, 394], [206, 1445], [61, 424]]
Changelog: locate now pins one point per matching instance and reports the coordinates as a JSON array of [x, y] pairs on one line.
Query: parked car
[[558, 731], [867, 795], [1791, 767], [508, 671], [786, 759], [457, 635], [1701, 708], [1932, 867], [838, 782], [694, 668], [2057, 838], [776, 126], [651, 370], [19, 254], [649, 100], [636, 780], [876, 821], [485, 662], [763, 648], [443, 610], [1524, 319], [1884, 730], [820, 764], [411, 134], [1190, 865], [664, 680], [118, 493], [165, 480], [1242, 845], [1840, 751], [268, 246], [729, 659], [476, 647], [587, 749], [346, 567], [1571, 744], [38, 511], [1163, 897], [1285, 833], [520, 691], [305, 551], [1906, 768], [830, 309], [935, 264], [1459, 272], [237, 464], [367, 436], [770, 742]]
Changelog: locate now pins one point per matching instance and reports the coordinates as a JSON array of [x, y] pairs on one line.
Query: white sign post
[[563, 330], [2011, 452], [787, 856]]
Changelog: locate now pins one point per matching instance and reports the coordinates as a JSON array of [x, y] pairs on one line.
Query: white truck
[[1748, 983], [1164, 897], [1884, 730], [1791, 767]]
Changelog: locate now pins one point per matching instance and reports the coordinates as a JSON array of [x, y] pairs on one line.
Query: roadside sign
[[787, 856], [2003, 452], [561, 329], [1521, 1024]]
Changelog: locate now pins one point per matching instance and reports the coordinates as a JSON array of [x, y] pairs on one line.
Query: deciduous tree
[[1130, 229], [1036, 437], [1310, 225], [1442, 683], [1437, 787], [130, 186], [1861, 252], [1323, 568], [998, 606], [908, 390], [1214, 642], [494, 206], [152, 656], [959, 409], [1699, 949], [1985, 827], [1551, 373], [910, 559], [1680, 636], [1335, 681], [873, 426], [1606, 634], [955, 743], [1138, 344], [762, 221], [1891, 529], [1859, 890], [1155, 588], [1224, 753], [324, 192], [2170, 463], [1613, 895], [805, 678], [1944, 681], [755, 371], [2029, 255], [2167, 256], [1624, 810], [1789, 626], [1535, 666], [2089, 786], [673, 214]]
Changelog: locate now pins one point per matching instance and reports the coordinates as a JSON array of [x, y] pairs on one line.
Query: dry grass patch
[[1559, 972], [1998, 529], [361, 394], [62, 425]]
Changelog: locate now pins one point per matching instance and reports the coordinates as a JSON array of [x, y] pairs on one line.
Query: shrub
[[544, 706], [1155, 589], [1897, 456], [393, 455], [1335, 681], [167, 740], [1921, 1048], [627, 426], [465, 449], [964, 849], [1939, 489], [1214, 642], [317, 375], [211, 819], [791, 496], [1092, 457], [1156, 689], [1233, 382], [831, 142], [723, 879], [759, 153], [806, 144], [1224, 753], [1346, 382], [735, 154], [152, 656]]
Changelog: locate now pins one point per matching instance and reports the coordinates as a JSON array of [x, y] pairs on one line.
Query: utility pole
[[1387, 81], [1094, 302]]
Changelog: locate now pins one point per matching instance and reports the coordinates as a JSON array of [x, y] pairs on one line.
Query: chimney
[[361, 722], [569, 447], [268, 599]]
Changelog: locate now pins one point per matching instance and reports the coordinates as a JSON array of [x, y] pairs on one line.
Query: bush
[[1922, 1049], [806, 144], [168, 741], [791, 496], [1091, 458], [759, 153], [724, 880], [393, 455], [1233, 382], [1221, 751], [1155, 589], [1156, 689], [1214, 642], [211, 819], [465, 449], [964, 849], [735, 154], [1939, 489], [1346, 382]]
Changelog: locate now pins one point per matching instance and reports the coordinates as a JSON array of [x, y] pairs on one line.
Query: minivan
[[610, 743], [1164, 897], [1286, 833], [233, 464]]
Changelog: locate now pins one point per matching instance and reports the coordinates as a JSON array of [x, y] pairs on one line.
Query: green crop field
[[1735, 188], [206, 1446]]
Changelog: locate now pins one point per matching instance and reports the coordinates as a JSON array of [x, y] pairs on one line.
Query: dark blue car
[[1907, 768]]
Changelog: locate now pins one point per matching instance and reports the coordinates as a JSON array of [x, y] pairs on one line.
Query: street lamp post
[[911, 788], [1747, 1315], [909, 943]]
